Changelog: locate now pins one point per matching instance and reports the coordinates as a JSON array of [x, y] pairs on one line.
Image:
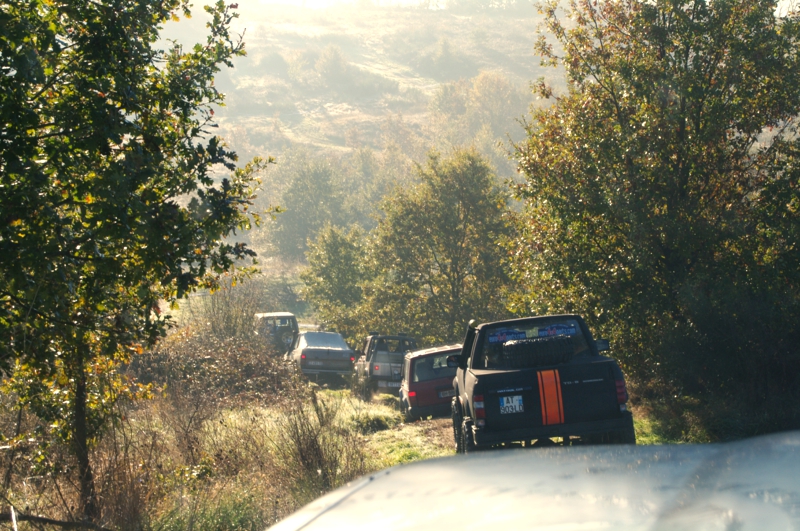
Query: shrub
[[317, 450]]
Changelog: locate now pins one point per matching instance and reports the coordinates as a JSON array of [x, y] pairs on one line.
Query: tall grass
[[233, 438]]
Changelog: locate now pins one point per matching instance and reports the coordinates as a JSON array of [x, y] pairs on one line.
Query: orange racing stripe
[[550, 397]]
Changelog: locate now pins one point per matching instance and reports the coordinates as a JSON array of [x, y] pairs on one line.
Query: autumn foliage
[[662, 198]]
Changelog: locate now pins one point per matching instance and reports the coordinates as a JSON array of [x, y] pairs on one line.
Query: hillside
[[344, 76]]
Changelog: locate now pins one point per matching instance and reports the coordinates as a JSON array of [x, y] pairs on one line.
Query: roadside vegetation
[[231, 437]]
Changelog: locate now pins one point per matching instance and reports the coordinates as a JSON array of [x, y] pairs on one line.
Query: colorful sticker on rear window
[[501, 336], [558, 330]]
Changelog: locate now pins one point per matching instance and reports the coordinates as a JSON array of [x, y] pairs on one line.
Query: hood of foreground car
[[747, 485]]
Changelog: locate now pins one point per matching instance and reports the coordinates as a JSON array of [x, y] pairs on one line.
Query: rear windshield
[[502, 345], [432, 367], [324, 340], [270, 325], [394, 345]]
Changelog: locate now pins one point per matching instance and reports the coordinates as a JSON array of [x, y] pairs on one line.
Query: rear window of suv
[[432, 367], [394, 345], [491, 354], [323, 340]]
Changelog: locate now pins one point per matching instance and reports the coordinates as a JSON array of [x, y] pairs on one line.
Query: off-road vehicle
[[427, 387], [534, 381], [379, 365], [278, 328]]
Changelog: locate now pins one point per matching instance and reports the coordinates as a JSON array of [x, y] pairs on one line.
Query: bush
[[227, 312], [205, 367], [317, 450], [372, 422]]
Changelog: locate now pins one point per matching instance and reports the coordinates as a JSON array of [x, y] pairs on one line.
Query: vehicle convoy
[[380, 362], [427, 386], [279, 328], [320, 354], [535, 379]]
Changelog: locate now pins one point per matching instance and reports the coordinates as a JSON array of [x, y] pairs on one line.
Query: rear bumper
[[386, 385], [316, 370], [436, 410], [624, 422]]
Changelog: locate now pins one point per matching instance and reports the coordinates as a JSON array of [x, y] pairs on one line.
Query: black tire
[[407, 417], [455, 415], [359, 387], [467, 442], [285, 340], [626, 436]]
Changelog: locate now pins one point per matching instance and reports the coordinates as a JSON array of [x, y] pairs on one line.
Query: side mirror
[[602, 345], [452, 361]]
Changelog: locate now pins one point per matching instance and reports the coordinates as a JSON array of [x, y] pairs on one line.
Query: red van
[[427, 387]]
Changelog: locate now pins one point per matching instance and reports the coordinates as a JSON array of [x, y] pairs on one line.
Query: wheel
[[455, 415], [627, 436], [286, 339], [624, 436], [467, 442], [359, 386], [404, 410]]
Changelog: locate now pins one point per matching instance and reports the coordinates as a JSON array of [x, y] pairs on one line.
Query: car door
[[461, 374]]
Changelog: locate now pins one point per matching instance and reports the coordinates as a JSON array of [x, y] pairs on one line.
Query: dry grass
[[233, 439]]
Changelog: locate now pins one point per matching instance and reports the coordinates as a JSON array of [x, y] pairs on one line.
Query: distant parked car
[[279, 328], [319, 354], [427, 386]]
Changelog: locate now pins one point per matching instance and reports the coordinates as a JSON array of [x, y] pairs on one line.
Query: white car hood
[[747, 485]]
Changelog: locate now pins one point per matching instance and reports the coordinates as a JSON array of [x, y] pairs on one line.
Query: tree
[[334, 278], [661, 193], [434, 256], [484, 111], [313, 197], [109, 195]]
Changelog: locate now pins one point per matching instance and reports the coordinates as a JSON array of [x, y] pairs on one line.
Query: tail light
[[352, 359], [377, 367], [622, 392], [412, 398], [477, 405], [302, 356]]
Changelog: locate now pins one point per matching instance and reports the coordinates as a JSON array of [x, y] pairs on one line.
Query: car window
[[286, 322], [561, 333], [432, 367], [266, 326], [388, 345], [325, 340]]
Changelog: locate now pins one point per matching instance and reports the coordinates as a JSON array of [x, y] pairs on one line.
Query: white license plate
[[393, 384], [511, 404], [316, 363], [445, 394]]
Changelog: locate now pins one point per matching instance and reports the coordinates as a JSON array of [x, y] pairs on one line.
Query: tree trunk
[[80, 445]]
